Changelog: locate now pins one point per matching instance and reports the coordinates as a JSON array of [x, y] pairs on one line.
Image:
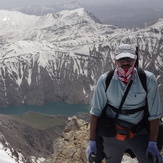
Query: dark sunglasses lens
[[125, 59]]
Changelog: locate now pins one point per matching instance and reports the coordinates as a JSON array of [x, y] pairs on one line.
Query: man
[[141, 143]]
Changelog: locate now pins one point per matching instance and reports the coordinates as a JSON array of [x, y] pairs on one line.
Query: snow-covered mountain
[[122, 14], [59, 57]]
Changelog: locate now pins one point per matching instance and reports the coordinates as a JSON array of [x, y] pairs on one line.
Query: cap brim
[[123, 55]]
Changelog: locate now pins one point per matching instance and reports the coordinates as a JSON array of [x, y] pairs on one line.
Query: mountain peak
[[76, 14]]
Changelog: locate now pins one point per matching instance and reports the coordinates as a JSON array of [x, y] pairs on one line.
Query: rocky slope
[[26, 141], [71, 145]]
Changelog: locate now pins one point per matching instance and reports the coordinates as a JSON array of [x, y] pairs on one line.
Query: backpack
[[142, 76]]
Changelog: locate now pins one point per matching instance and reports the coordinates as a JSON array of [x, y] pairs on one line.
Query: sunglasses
[[127, 59]]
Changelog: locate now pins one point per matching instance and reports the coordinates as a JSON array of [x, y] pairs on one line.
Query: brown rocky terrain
[[70, 147], [31, 134], [63, 140]]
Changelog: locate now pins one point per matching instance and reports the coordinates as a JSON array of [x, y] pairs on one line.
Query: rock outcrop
[[71, 145]]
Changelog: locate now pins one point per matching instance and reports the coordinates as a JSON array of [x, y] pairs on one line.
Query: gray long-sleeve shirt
[[135, 98]]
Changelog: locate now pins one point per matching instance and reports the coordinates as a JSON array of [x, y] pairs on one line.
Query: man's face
[[125, 63]]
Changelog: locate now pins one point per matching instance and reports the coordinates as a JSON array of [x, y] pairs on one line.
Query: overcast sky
[[21, 3]]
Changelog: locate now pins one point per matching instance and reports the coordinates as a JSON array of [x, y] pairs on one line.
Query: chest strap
[[126, 111]]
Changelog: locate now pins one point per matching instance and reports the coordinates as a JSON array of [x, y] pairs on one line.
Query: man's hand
[[153, 151], [91, 148]]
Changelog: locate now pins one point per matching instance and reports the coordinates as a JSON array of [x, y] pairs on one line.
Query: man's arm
[[154, 127], [152, 149], [93, 126]]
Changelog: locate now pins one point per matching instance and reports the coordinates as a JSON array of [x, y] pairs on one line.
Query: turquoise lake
[[49, 108]]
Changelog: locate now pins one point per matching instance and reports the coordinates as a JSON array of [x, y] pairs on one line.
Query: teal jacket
[[136, 97]]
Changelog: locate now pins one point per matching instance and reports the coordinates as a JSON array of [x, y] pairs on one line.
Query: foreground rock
[[71, 146], [62, 143]]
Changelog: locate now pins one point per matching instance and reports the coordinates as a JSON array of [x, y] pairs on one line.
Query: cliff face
[[71, 145]]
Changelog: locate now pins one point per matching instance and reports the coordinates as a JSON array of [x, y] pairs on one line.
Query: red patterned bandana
[[125, 74]]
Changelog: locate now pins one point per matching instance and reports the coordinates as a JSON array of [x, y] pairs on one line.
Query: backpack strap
[[126, 111], [143, 78], [108, 79]]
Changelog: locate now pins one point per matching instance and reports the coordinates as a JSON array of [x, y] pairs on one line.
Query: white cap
[[125, 50]]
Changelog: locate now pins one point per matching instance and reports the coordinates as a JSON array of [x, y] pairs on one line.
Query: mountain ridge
[[70, 51], [128, 15]]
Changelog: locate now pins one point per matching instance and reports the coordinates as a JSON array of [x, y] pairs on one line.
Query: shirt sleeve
[[99, 99], [153, 97]]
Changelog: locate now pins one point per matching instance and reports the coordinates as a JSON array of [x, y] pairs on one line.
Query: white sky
[[20, 3], [4, 4]]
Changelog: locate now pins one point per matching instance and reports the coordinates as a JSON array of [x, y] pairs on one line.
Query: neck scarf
[[125, 74]]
